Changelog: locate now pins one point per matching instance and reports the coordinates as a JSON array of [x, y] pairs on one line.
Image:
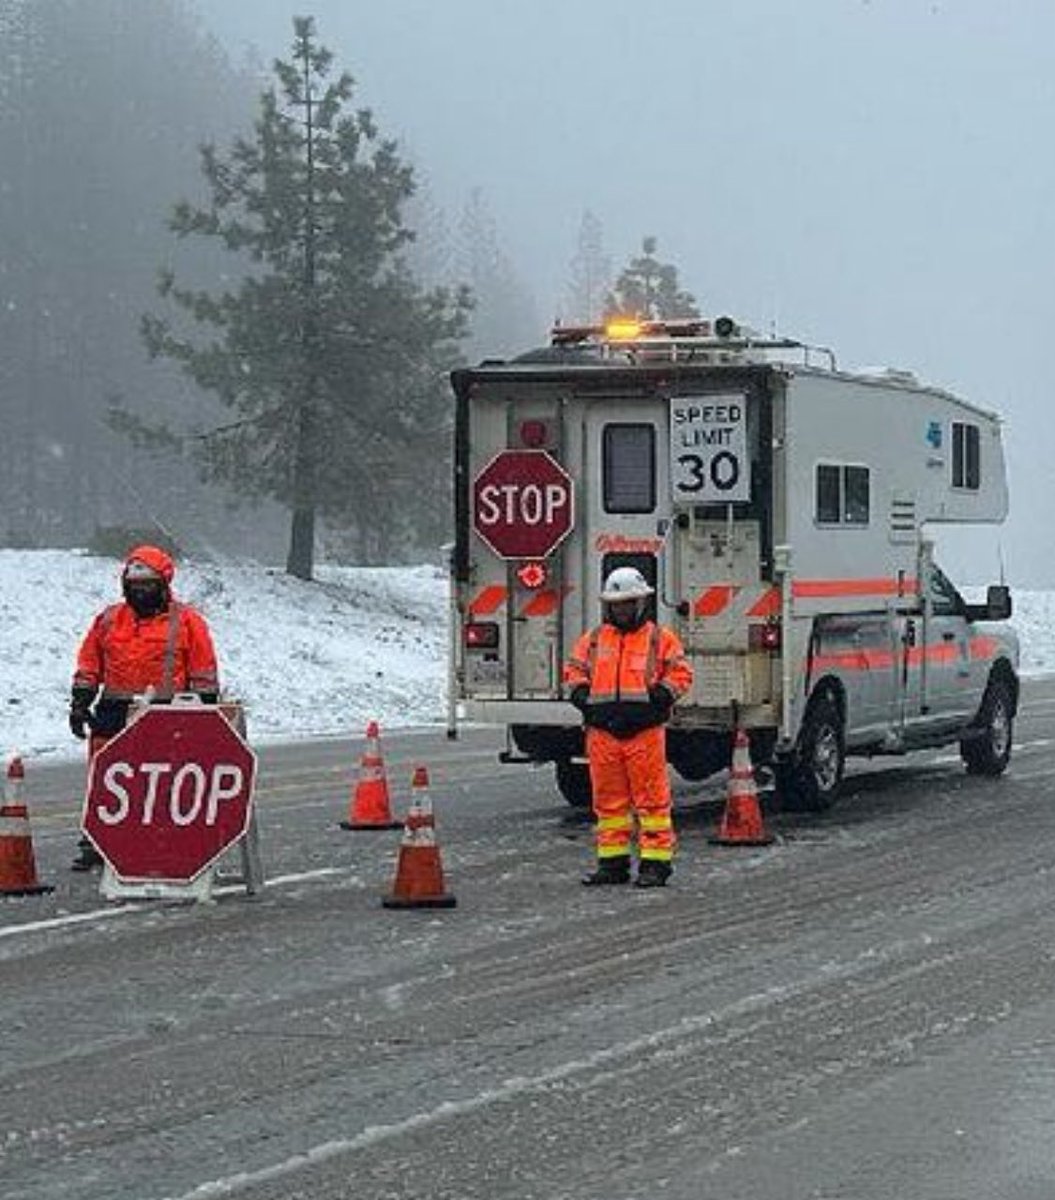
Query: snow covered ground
[[306, 658]]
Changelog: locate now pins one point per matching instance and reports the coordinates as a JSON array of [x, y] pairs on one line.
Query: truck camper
[[782, 508]]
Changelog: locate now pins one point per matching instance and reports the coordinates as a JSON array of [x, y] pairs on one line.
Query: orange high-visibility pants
[[96, 741], [630, 777]]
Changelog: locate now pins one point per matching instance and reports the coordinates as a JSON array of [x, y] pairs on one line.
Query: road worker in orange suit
[[625, 677], [150, 644]]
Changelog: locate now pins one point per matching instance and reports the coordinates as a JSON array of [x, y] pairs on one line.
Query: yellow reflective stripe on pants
[[656, 835], [655, 821], [656, 853], [613, 835]]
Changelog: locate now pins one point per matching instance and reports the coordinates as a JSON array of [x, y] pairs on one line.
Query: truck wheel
[[573, 782], [811, 783], [989, 750]]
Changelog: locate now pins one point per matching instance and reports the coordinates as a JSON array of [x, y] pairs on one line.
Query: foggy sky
[[877, 176]]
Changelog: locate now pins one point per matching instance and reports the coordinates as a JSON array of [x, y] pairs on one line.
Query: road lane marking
[[98, 914]]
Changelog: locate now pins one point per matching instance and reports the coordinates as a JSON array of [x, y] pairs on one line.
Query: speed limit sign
[[709, 463]]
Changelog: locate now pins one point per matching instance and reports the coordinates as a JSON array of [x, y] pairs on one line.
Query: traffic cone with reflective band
[[741, 823], [419, 873], [18, 867], [369, 807]]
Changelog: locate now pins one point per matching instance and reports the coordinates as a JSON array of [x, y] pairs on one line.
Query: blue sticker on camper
[[934, 434]]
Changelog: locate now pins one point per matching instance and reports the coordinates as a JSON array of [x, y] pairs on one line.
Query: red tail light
[[481, 635], [764, 637]]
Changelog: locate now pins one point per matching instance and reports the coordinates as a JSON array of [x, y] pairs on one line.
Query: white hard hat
[[625, 583]]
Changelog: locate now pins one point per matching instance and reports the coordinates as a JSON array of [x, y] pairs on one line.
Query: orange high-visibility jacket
[[126, 654], [620, 667]]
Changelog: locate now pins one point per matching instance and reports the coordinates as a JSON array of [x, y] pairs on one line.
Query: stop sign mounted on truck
[[169, 794], [523, 504]]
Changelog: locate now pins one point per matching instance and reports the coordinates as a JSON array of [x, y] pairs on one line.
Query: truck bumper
[[517, 712]]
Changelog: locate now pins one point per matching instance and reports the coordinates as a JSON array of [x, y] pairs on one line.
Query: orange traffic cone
[[369, 807], [419, 873], [741, 823], [18, 867]]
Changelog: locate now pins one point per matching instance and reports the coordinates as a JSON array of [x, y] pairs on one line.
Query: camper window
[[966, 456], [843, 494], [629, 456], [829, 504], [855, 494]]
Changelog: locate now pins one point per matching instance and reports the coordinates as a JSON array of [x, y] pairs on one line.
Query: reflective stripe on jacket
[[621, 667], [125, 654]]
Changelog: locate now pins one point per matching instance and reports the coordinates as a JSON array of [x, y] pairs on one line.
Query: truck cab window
[[945, 600], [629, 468]]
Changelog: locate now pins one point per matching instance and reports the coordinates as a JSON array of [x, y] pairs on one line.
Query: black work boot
[[652, 873], [87, 857], [609, 870]]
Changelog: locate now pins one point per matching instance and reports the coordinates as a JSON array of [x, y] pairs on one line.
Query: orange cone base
[[18, 869], [718, 840], [419, 880], [442, 901], [371, 824], [741, 825], [38, 889]]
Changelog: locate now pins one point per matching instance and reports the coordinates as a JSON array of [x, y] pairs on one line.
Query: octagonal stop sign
[[169, 794], [523, 504]]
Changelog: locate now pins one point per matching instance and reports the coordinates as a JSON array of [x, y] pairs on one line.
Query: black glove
[[662, 700], [80, 711], [580, 694], [79, 719]]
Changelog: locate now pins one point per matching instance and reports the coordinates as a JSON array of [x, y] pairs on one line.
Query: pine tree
[[649, 288], [591, 274], [431, 255], [328, 352], [503, 319], [101, 105]]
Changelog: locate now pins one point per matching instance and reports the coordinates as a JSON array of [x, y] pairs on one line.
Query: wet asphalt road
[[861, 1011]]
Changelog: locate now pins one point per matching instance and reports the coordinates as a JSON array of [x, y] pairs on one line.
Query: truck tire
[[989, 750], [810, 783], [573, 783]]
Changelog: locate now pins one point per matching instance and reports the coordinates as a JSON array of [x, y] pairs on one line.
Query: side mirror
[[998, 602]]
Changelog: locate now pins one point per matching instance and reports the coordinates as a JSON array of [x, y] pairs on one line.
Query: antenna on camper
[[1000, 560]]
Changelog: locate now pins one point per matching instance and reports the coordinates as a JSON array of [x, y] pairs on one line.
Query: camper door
[[627, 514]]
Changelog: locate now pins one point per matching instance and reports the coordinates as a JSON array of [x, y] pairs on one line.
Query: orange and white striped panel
[[543, 603], [733, 601]]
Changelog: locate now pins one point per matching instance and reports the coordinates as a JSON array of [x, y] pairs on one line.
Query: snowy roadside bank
[[319, 658]]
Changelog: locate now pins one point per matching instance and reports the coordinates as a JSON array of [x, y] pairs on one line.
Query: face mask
[[146, 597], [626, 615]]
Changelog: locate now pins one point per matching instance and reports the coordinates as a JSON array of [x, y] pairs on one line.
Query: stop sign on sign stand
[[523, 504], [170, 794]]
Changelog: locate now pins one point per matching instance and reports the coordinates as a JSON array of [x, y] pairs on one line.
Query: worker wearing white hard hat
[[625, 677]]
